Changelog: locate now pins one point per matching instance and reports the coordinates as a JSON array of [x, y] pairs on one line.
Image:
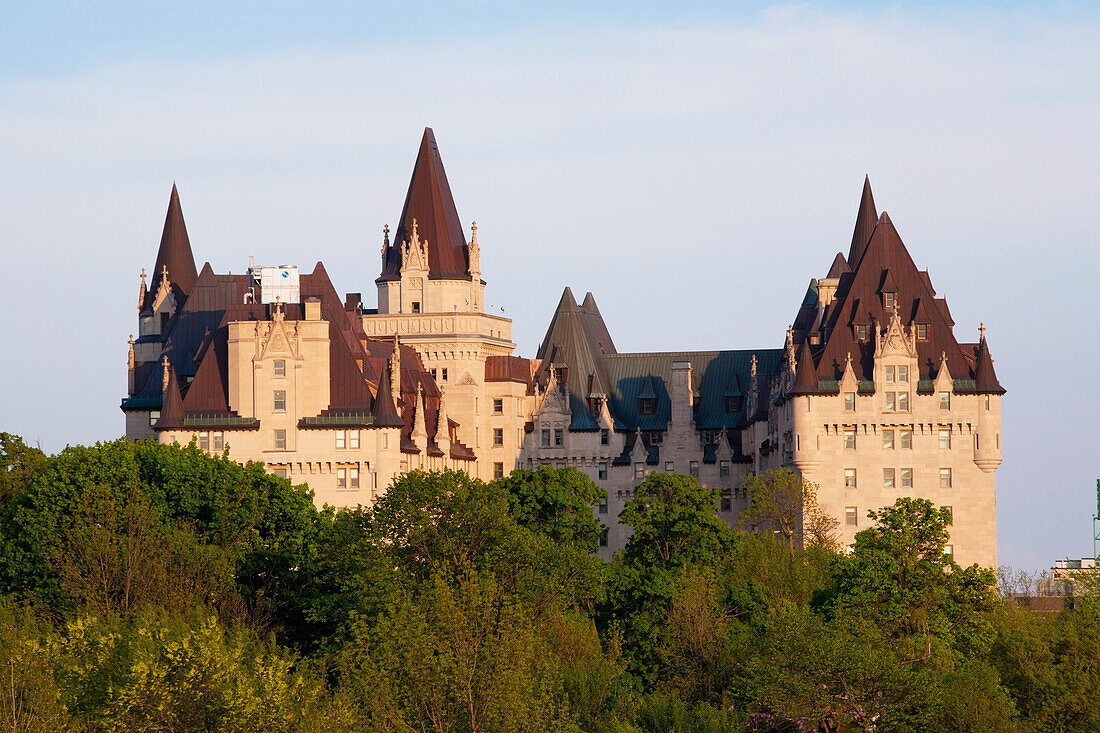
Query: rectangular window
[[903, 402], [887, 478], [341, 478], [280, 400], [498, 436], [603, 540], [670, 467], [849, 401], [861, 333], [903, 374], [906, 439], [219, 441], [655, 438], [341, 439], [605, 436], [727, 503], [949, 550], [945, 478], [280, 440], [204, 441], [416, 306], [648, 406], [435, 374], [545, 438], [891, 401], [889, 300], [639, 470], [888, 440], [922, 331], [849, 438], [889, 375], [498, 470], [851, 518], [601, 472], [353, 439], [154, 415], [385, 441], [444, 374], [693, 468], [945, 400], [723, 468], [353, 477], [603, 505], [733, 403], [279, 368], [498, 407], [280, 472], [558, 437], [849, 478], [945, 439], [906, 478]]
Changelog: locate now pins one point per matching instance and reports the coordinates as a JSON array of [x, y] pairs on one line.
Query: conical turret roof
[[865, 225], [171, 411], [430, 203], [985, 377], [805, 381], [175, 254]]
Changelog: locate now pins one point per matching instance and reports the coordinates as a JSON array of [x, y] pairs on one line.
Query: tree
[[557, 502], [899, 577], [789, 502], [675, 523]]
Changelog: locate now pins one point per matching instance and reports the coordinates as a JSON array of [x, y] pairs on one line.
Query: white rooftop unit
[[279, 282]]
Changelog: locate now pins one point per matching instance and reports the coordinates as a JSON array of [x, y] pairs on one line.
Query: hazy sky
[[694, 168]]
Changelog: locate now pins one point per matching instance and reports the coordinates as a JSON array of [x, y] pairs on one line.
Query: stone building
[[871, 396]]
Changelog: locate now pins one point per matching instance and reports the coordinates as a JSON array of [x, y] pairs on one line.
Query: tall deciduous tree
[[556, 502], [784, 499]]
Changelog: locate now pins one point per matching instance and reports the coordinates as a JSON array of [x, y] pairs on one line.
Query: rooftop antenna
[[1095, 519]]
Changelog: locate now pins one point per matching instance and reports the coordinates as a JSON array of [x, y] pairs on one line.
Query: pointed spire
[[419, 434], [865, 225], [175, 254], [385, 409], [985, 376], [430, 203], [806, 378], [395, 371], [171, 410], [475, 252], [143, 291], [442, 428], [131, 362]]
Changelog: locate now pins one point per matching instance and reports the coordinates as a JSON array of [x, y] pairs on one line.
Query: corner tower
[[428, 267]]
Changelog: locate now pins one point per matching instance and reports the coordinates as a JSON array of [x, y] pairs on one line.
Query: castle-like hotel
[[871, 397]]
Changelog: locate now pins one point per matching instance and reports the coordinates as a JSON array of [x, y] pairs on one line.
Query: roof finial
[[385, 239], [164, 373], [981, 331], [130, 361], [753, 365], [143, 276], [277, 313], [473, 232], [164, 272], [415, 236]]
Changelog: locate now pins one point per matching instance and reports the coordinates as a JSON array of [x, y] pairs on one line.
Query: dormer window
[[889, 300], [861, 333], [922, 331], [647, 405], [733, 404]]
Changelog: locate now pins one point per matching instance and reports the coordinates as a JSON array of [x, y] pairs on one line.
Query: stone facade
[[871, 396]]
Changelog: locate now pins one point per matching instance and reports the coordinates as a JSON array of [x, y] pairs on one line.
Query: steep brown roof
[[430, 203], [839, 266], [175, 254], [985, 377], [509, 369], [865, 225], [858, 302], [385, 412], [171, 411], [806, 375]]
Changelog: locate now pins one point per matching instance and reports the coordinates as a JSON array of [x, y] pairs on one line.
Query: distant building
[[871, 395]]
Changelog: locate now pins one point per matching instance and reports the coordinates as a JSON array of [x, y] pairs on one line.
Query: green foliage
[[783, 499], [155, 587], [556, 502]]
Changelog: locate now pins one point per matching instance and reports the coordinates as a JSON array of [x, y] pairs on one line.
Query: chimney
[[313, 309], [682, 395]]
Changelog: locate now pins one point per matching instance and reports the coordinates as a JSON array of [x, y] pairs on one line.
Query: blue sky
[[693, 166]]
